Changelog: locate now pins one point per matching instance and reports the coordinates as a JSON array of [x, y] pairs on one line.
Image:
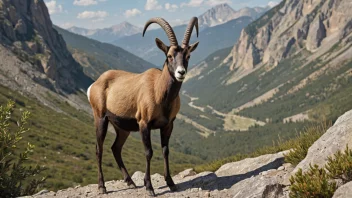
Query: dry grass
[[239, 123]]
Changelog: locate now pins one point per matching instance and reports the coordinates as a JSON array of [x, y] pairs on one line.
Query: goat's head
[[177, 57]]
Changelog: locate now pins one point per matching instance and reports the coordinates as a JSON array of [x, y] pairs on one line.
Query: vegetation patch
[[16, 177], [320, 182], [314, 183], [340, 166]]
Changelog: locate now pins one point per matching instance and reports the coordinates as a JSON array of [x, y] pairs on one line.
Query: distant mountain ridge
[[223, 13], [107, 34], [97, 57], [210, 40], [216, 15]]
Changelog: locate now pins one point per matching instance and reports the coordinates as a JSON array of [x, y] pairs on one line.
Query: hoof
[[150, 193], [173, 188], [102, 190]]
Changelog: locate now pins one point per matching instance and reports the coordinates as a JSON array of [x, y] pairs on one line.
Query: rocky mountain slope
[[265, 176], [26, 30], [97, 57], [291, 64], [312, 26], [107, 34], [223, 13]]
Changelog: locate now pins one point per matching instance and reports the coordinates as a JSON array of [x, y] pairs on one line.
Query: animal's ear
[[161, 45], [193, 47]]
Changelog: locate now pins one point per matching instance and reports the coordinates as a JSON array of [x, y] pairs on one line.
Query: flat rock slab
[[270, 161]]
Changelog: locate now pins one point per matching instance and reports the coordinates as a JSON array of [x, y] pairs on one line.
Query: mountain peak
[[123, 24], [223, 5], [223, 13], [108, 34], [124, 29]]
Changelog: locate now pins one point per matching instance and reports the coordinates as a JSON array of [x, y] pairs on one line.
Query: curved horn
[[188, 33], [167, 28]]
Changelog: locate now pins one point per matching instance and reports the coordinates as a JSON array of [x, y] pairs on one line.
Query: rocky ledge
[[264, 176]]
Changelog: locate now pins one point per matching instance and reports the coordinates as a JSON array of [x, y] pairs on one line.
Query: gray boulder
[[344, 191], [335, 139]]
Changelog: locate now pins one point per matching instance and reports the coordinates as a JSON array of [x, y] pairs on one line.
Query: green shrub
[[314, 183], [16, 178], [340, 166], [304, 141]]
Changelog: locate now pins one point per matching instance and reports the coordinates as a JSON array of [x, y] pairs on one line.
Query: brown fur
[[144, 93]]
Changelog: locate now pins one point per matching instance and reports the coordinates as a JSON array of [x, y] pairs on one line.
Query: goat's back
[[121, 92]]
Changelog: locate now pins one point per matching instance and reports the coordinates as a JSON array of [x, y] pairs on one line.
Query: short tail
[[88, 92]]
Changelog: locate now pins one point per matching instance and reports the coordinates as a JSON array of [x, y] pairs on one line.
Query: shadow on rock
[[212, 182]]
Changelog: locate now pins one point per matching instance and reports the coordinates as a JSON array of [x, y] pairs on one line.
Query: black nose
[[182, 72]]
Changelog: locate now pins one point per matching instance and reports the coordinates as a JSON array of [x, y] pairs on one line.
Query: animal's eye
[[188, 57]]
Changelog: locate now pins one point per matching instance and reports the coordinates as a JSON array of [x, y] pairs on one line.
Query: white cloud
[[152, 5], [200, 3], [131, 13], [171, 7], [53, 7], [217, 2], [85, 2], [96, 16], [66, 25], [177, 22], [193, 3], [272, 3]]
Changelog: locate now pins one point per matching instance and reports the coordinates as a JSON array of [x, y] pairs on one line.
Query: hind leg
[[101, 125], [121, 137]]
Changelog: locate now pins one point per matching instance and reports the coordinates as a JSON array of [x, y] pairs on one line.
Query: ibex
[[142, 102]]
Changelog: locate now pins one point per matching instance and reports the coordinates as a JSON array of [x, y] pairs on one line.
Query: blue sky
[[105, 13]]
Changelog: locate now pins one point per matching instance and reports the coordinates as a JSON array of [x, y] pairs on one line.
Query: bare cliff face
[[292, 26], [26, 30]]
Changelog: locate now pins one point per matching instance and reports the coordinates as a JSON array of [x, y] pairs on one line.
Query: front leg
[[145, 133], [165, 134]]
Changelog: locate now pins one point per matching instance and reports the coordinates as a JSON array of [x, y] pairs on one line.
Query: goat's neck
[[167, 87]]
